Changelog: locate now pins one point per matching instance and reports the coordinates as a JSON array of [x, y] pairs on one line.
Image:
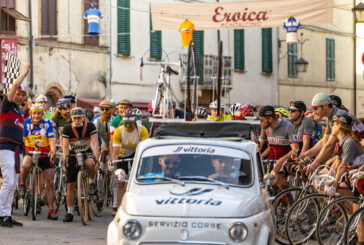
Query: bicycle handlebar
[[40, 153], [122, 160], [159, 63]]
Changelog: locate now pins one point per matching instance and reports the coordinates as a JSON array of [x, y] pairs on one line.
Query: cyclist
[[303, 125], [233, 109], [280, 139], [38, 134], [323, 106], [77, 137], [61, 117], [44, 100], [125, 140], [281, 112], [318, 130], [123, 105], [201, 113], [214, 117]]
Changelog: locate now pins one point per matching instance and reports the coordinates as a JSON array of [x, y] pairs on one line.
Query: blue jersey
[[93, 17]]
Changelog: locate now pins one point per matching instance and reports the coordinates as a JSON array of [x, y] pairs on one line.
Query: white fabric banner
[[240, 15]]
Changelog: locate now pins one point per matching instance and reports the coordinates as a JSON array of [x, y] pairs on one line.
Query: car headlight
[[238, 232], [132, 229]]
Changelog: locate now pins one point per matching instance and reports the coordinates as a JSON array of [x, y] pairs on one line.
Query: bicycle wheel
[[34, 193], [111, 190], [27, 197], [57, 189], [82, 196], [191, 73], [99, 202], [333, 219], [281, 204], [350, 232], [302, 217]]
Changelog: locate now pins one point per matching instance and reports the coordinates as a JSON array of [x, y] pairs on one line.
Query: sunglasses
[[65, 106], [126, 123], [292, 110], [173, 162], [104, 109]]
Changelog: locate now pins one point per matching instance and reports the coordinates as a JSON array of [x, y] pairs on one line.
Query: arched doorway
[[54, 92]]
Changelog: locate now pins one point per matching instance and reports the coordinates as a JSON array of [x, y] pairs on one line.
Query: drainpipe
[[31, 40], [354, 80], [109, 95]]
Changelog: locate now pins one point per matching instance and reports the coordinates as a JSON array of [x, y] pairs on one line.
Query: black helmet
[[89, 114], [299, 104]]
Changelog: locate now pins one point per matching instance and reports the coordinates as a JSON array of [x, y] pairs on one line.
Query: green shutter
[[198, 38], [292, 58], [124, 27], [330, 59], [267, 60], [239, 54], [155, 43]]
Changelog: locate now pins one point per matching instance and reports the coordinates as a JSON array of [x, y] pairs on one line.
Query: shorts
[[72, 168], [124, 165], [44, 162]]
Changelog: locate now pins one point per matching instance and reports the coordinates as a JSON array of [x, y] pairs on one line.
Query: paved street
[[44, 231]]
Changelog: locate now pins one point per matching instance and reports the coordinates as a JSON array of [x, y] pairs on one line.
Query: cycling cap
[[41, 98], [77, 112], [234, 108], [36, 107], [299, 104], [213, 105], [308, 113], [266, 111], [124, 102], [71, 98], [128, 115], [282, 110], [320, 99], [243, 111], [63, 101], [106, 104], [137, 111], [201, 112], [336, 100], [345, 118], [20, 88]]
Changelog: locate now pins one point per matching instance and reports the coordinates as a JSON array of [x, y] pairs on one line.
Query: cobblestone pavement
[[44, 231]]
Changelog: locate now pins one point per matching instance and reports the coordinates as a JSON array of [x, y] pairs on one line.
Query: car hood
[[193, 201]]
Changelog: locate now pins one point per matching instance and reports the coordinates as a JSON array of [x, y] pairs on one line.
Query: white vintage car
[[185, 189]]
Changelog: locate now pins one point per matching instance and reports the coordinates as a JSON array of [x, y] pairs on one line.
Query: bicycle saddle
[[171, 71]]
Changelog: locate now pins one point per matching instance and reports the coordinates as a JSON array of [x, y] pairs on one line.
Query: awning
[[14, 13]]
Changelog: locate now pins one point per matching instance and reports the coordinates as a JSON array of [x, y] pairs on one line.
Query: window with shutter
[[155, 43], [292, 58], [267, 60], [239, 53], [7, 21], [198, 38], [124, 27], [330, 59], [89, 39], [49, 19]]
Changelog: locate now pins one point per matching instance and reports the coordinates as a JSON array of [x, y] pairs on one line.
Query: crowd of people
[[324, 133]]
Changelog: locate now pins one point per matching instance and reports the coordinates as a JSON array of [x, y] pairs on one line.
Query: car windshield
[[198, 163]]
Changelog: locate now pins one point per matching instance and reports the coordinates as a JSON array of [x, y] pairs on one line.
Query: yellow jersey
[[224, 117], [186, 29], [129, 140]]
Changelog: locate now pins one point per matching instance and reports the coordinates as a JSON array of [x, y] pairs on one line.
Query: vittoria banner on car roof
[[240, 15]]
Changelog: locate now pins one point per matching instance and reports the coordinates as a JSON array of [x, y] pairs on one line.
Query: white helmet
[[213, 105], [234, 108], [41, 98]]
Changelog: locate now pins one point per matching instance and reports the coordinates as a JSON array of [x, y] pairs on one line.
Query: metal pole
[[31, 40], [109, 94], [354, 82]]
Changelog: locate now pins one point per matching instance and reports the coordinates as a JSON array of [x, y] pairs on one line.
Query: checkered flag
[[11, 72]]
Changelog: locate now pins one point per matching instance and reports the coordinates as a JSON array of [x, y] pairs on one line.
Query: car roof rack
[[247, 129]]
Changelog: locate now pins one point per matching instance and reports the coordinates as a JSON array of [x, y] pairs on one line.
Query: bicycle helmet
[[128, 115], [89, 114], [300, 105], [63, 101], [77, 112], [201, 112], [41, 98], [243, 111], [137, 111], [282, 110], [234, 108], [213, 105], [71, 98], [36, 107], [96, 109]]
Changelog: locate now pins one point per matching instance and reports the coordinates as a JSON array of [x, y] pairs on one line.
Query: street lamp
[[301, 63], [359, 13]]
